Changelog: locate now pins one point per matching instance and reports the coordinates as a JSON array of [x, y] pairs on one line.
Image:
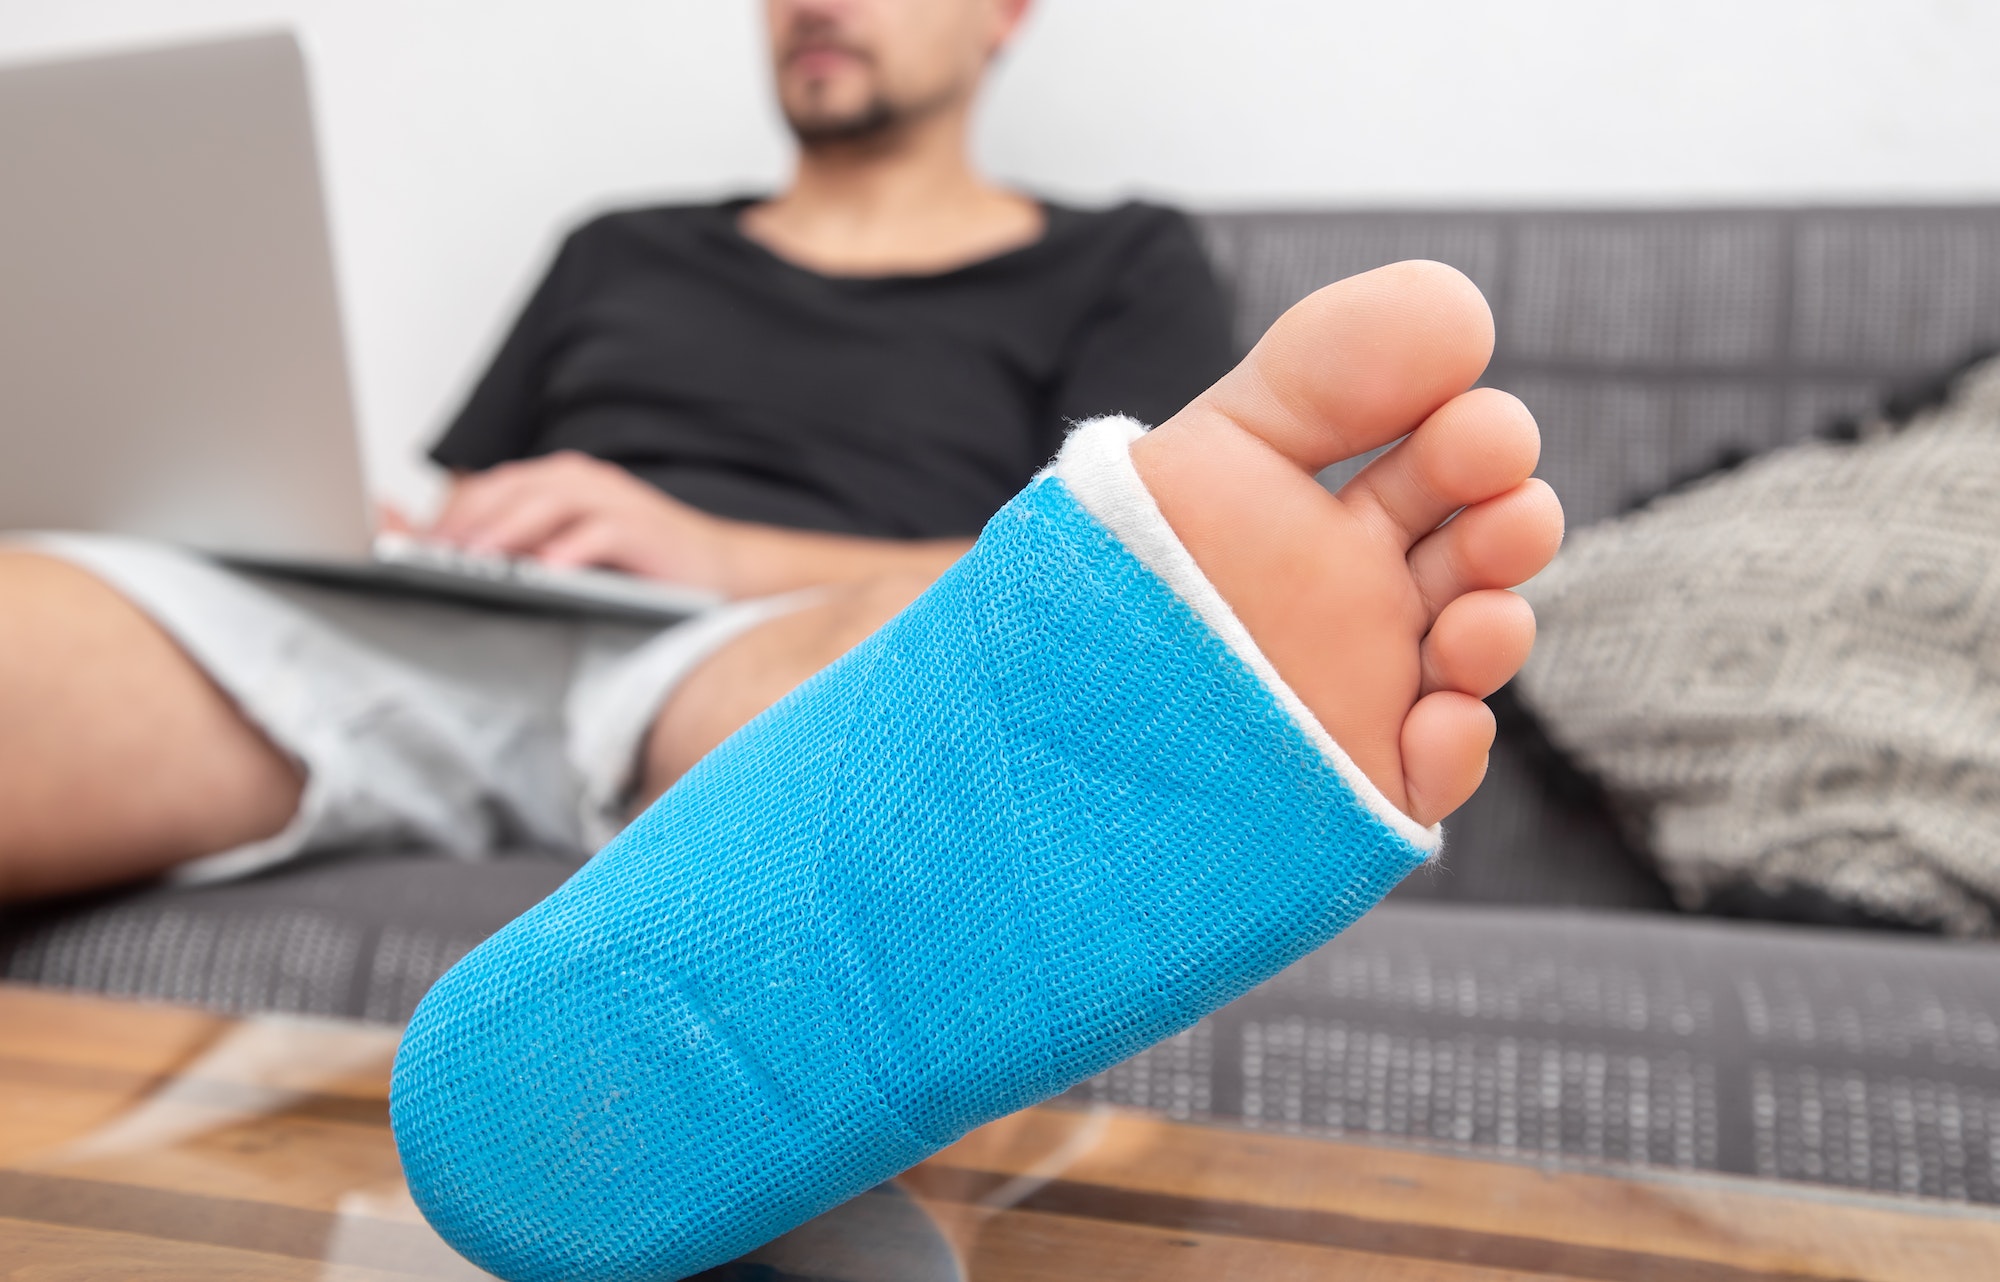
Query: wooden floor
[[158, 1143]]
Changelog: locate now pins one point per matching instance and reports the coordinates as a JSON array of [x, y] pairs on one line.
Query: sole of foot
[[1383, 605]]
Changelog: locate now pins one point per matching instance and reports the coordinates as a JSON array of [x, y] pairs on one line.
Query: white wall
[[461, 135]]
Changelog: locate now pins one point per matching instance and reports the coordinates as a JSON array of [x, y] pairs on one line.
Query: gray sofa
[[1537, 994]]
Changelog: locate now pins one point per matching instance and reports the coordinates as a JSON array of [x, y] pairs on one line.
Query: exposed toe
[[1478, 643], [1478, 445], [1445, 741], [1500, 543]]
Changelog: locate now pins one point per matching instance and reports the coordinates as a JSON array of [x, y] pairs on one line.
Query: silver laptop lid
[[171, 361]]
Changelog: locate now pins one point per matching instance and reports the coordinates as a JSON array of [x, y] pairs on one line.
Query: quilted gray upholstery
[[1647, 343], [1865, 1060], [362, 934]]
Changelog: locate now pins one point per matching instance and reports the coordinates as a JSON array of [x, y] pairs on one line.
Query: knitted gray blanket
[[1789, 676]]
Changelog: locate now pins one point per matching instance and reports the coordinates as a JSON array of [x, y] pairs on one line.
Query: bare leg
[[118, 757], [760, 667]]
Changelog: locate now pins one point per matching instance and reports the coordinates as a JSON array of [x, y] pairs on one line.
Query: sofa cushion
[[360, 933], [1788, 676], [1785, 1052]]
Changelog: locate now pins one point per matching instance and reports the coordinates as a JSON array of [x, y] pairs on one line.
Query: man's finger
[[391, 519], [532, 521], [586, 543], [477, 501]]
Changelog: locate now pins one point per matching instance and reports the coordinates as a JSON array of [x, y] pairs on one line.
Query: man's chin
[[874, 122]]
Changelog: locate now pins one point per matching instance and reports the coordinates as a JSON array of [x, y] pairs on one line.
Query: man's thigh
[[118, 756]]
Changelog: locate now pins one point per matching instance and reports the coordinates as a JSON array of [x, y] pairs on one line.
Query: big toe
[[1359, 363]]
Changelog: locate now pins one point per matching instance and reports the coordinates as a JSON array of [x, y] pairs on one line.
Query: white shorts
[[418, 721]]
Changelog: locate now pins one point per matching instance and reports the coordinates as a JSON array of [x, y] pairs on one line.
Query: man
[[810, 403]]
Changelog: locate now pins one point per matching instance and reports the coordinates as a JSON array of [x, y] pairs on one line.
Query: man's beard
[[876, 121]]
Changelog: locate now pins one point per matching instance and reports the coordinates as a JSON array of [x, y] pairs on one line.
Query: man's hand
[[570, 509]]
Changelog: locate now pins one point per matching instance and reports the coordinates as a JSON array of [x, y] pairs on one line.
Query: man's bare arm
[[571, 509]]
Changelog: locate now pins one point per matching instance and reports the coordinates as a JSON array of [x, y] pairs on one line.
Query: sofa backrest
[[1649, 343]]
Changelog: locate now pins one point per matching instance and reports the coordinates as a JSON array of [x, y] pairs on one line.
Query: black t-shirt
[[668, 342]]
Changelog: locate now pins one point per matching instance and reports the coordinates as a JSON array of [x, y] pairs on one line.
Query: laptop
[[171, 359]]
